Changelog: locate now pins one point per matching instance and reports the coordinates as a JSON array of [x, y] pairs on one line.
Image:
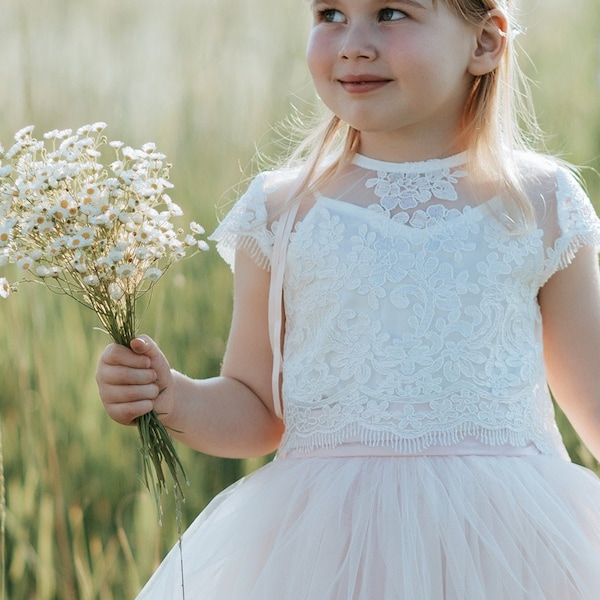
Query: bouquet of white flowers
[[99, 232]]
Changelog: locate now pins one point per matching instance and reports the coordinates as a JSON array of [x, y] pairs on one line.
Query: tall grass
[[205, 80]]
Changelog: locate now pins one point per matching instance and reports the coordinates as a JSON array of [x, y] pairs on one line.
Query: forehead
[[471, 11], [461, 7], [417, 3]]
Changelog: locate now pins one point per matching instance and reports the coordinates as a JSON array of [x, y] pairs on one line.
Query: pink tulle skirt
[[395, 528]]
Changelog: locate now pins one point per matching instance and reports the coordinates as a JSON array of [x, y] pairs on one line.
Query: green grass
[[206, 80]]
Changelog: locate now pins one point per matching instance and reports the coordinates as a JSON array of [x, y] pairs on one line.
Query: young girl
[[435, 276]]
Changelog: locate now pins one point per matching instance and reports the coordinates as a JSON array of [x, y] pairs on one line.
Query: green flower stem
[[157, 448], [159, 455]]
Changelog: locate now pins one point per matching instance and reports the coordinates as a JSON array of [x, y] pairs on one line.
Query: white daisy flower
[[116, 291], [43, 271], [25, 263], [196, 228], [91, 280], [153, 274], [126, 271], [104, 263], [6, 230], [4, 288]]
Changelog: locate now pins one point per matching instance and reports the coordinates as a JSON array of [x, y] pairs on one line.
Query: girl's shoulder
[[537, 170], [271, 190], [563, 209], [248, 225], [554, 187]]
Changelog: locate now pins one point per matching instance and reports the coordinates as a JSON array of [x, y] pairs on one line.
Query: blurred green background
[[207, 81]]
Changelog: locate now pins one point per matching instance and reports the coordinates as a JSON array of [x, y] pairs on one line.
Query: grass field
[[207, 81]]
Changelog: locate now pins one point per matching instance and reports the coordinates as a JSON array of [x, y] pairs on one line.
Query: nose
[[358, 43]]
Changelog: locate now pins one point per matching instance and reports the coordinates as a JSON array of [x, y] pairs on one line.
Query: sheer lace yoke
[[419, 194]]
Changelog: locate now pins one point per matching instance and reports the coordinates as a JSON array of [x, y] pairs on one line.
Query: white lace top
[[412, 318]]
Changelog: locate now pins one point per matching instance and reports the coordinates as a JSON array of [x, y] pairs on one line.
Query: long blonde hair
[[498, 123]]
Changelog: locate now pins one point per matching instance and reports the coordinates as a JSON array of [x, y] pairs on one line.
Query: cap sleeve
[[246, 227], [577, 223]]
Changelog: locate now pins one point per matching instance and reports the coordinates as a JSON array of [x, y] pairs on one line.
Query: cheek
[[318, 55]]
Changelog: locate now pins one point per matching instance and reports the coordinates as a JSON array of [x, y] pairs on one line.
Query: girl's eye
[[331, 15], [391, 14]]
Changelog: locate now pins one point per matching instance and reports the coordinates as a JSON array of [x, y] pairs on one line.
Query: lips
[[362, 83]]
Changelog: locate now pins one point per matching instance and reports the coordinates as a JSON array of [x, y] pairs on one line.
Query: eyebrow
[[409, 2], [413, 3]]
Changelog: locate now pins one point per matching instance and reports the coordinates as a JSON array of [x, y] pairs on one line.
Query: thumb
[[145, 345]]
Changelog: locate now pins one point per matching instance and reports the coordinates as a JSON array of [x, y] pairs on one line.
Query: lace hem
[[565, 250], [246, 227], [578, 222], [418, 445], [228, 243]]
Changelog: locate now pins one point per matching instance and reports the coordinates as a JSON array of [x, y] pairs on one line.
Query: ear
[[490, 43]]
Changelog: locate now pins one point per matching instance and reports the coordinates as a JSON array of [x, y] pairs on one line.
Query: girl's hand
[[133, 381]]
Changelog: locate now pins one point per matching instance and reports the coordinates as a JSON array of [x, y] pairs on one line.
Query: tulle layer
[[395, 528]]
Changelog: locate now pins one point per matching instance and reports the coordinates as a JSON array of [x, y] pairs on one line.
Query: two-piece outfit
[[421, 458]]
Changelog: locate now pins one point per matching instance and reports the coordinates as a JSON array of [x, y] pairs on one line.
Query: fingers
[[129, 379], [127, 393], [115, 354], [126, 413], [117, 375]]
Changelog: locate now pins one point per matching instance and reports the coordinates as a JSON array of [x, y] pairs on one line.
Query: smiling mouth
[[362, 83]]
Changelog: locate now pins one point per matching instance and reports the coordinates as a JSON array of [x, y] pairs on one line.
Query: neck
[[394, 148]]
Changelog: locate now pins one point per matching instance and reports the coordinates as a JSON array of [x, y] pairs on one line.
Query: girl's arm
[[231, 415], [570, 305]]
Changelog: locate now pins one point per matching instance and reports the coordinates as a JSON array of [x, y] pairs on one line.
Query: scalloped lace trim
[[416, 445]]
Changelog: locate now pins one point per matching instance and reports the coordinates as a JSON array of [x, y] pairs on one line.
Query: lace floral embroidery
[[404, 191], [417, 332]]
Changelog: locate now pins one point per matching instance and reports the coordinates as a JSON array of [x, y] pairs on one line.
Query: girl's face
[[397, 70]]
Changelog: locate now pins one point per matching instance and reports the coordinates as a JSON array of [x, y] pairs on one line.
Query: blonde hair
[[498, 123]]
